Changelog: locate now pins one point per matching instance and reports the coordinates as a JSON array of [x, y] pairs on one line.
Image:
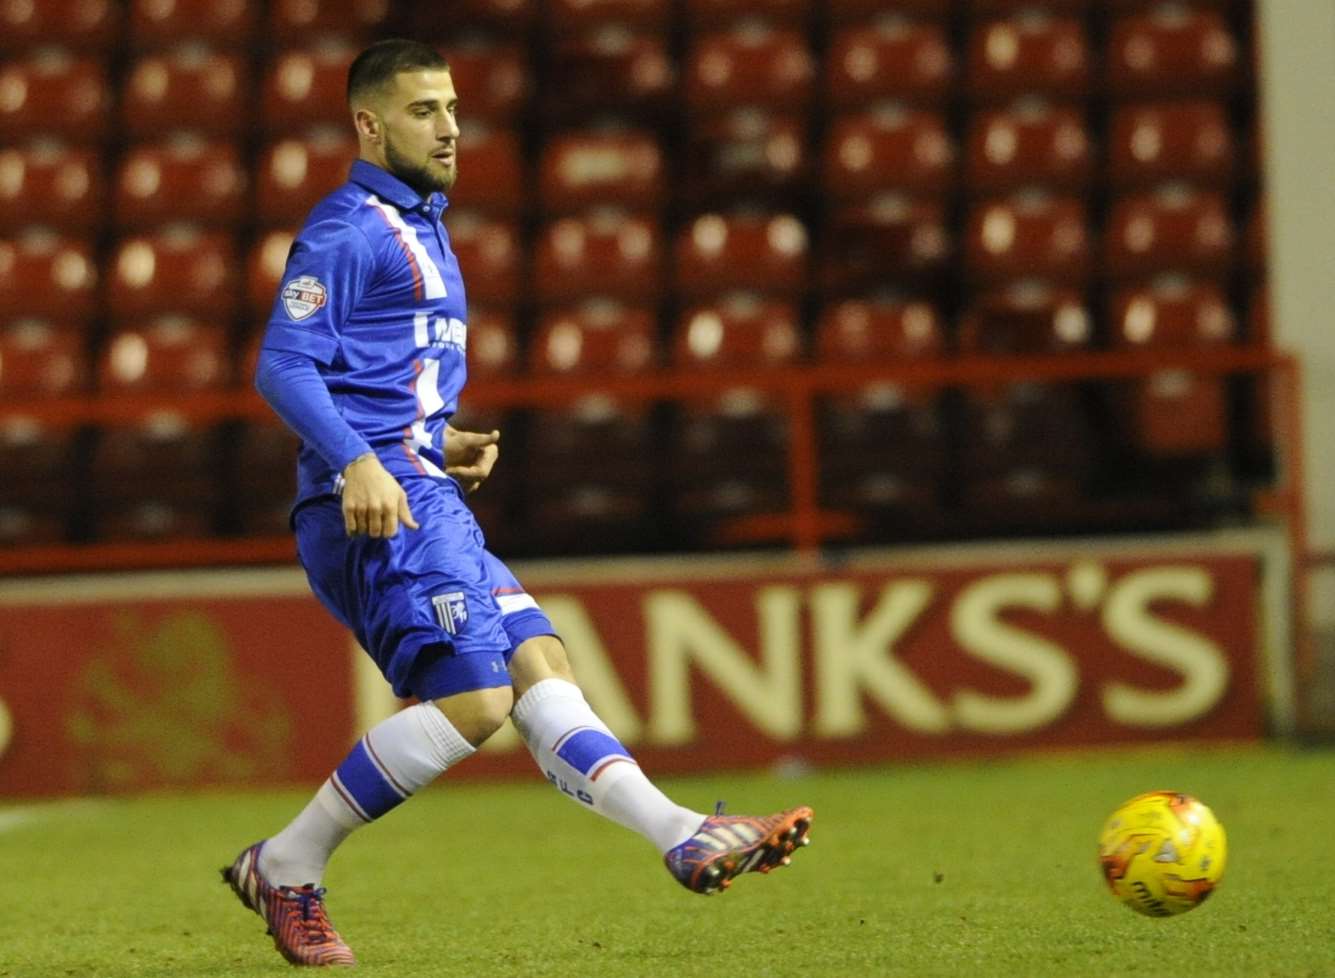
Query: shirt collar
[[388, 187]]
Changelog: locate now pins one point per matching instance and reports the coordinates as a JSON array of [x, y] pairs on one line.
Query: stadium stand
[[725, 186]]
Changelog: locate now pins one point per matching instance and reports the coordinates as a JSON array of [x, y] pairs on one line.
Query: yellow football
[[1162, 853]]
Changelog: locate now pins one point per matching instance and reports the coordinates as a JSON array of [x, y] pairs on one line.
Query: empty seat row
[[176, 354], [628, 257], [753, 157], [1172, 52]]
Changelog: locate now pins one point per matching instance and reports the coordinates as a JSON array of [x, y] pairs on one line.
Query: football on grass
[[1162, 853]]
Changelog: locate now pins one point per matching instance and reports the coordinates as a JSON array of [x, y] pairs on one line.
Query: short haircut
[[376, 67]]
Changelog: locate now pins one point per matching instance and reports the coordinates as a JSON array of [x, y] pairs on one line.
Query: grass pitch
[[979, 869]]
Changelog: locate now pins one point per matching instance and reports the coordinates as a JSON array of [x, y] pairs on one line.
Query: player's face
[[421, 132]]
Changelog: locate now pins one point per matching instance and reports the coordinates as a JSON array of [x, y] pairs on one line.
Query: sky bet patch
[[304, 297]]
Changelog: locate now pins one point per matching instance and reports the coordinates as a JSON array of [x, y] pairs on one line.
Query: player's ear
[[367, 123]]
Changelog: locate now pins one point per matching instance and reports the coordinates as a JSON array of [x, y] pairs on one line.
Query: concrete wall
[[1296, 42]]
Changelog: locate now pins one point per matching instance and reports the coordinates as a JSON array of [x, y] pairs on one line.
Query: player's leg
[[578, 754], [391, 762], [407, 599]]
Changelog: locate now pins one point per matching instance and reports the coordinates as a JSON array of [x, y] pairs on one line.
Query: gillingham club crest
[[303, 297]]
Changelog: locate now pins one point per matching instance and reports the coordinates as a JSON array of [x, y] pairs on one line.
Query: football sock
[[394, 759], [581, 757]]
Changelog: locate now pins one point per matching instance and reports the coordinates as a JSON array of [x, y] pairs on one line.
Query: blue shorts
[[438, 612]]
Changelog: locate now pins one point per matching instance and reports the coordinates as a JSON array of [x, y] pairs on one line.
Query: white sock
[[581, 757], [394, 759]]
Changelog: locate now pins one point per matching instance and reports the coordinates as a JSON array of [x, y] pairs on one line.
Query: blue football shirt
[[372, 293]]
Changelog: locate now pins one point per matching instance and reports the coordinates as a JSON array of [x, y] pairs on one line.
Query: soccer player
[[364, 358]]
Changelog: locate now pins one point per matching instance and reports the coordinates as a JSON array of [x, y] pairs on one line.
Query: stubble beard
[[420, 176]]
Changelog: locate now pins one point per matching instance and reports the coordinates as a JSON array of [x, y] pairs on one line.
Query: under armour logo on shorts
[[451, 611]]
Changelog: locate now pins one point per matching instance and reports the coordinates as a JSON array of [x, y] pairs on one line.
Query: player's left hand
[[470, 455]]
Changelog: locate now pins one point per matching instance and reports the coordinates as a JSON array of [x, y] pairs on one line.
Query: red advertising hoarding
[[214, 678]]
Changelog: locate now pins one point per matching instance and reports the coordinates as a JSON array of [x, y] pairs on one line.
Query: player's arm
[[373, 501], [470, 455], [327, 271]]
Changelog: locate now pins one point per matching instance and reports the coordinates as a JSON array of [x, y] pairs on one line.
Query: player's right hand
[[374, 503]]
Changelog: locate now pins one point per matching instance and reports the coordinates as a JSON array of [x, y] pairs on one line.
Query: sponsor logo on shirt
[[304, 297], [451, 611]]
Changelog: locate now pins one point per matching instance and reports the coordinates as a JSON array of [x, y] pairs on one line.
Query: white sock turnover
[[394, 759], [580, 756]]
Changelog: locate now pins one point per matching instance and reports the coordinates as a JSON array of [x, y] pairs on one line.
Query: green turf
[[972, 869]]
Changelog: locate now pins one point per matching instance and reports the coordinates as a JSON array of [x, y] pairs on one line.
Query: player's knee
[[539, 658], [478, 714]]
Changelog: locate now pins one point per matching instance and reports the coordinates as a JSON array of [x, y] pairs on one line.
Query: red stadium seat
[[491, 162], [978, 8], [165, 23], [293, 174], [306, 88], [705, 15], [610, 71], [490, 253], [493, 344], [37, 494], [1027, 452], [186, 88], [264, 271], [184, 180], [51, 94], [1174, 413], [737, 332], [83, 25], [889, 240], [597, 339], [862, 10], [717, 253], [50, 185], [154, 480], [1140, 6], [1027, 235], [299, 21], [882, 447], [750, 154], [1028, 319], [1027, 448], [1175, 228], [1028, 53], [577, 16], [740, 436], [1149, 142], [890, 59], [1032, 143], [266, 477], [177, 270], [40, 360], [751, 65], [1256, 240], [492, 81], [1026, 445], [570, 504], [170, 353], [493, 354], [48, 277], [1171, 50], [462, 19], [888, 148], [606, 253], [621, 168]]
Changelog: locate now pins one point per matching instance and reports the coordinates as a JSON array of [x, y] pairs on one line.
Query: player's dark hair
[[377, 65]]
